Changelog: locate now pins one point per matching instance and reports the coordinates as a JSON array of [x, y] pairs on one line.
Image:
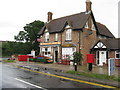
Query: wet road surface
[[13, 77]]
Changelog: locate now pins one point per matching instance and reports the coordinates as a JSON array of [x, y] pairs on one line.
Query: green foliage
[[9, 61], [32, 29], [21, 36], [77, 57], [30, 35], [9, 48], [93, 75]]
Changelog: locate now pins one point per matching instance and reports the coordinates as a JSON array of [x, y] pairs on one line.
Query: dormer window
[[46, 36], [68, 34], [56, 37]]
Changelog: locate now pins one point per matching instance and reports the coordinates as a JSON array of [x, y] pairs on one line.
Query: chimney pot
[[88, 1]]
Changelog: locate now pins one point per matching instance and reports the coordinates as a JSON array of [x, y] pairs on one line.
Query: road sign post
[[111, 66]]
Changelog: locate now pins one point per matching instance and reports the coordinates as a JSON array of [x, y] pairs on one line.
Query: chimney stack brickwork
[[88, 5], [50, 16], [88, 10]]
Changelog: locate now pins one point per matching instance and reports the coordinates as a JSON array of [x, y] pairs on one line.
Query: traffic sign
[[111, 66]]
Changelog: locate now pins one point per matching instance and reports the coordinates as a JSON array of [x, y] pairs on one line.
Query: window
[[45, 53], [117, 54], [48, 52], [46, 49], [86, 25], [46, 36], [56, 37], [93, 26], [100, 44], [68, 34]]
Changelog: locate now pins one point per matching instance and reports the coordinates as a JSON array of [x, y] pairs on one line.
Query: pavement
[[60, 69]]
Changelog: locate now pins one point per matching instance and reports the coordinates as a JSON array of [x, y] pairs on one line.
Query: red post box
[[90, 58]]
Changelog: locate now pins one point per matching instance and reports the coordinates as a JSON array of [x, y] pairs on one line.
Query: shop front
[[67, 53], [50, 50]]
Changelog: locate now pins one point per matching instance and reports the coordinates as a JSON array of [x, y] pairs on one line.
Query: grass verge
[[93, 75], [9, 61]]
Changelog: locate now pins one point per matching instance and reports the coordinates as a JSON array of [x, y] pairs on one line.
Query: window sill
[[55, 41], [117, 58], [68, 40]]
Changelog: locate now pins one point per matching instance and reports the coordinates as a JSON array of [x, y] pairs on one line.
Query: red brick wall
[[112, 55], [88, 42]]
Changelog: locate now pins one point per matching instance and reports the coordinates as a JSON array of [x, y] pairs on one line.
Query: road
[[13, 77]]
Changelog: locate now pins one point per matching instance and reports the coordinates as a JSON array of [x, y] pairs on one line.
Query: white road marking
[[30, 84]]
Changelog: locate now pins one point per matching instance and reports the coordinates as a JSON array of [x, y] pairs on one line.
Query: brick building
[[61, 37], [105, 49]]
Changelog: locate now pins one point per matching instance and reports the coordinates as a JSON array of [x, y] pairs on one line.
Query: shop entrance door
[[55, 55]]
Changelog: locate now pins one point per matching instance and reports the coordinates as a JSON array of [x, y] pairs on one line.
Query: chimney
[[49, 16], [88, 5]]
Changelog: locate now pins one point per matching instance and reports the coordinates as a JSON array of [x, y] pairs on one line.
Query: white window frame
[[46, 36], [68, 34], [56, 37], [68, 51], [117, 52], [46, 52]]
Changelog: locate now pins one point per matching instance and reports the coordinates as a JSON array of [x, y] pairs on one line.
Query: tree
[[9, 48], [77, 58], [30, 34], [21, 36], [32, 29]]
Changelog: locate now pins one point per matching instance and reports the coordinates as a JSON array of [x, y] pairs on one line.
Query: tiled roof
[[76, 21], [103, 30], [112, 44]]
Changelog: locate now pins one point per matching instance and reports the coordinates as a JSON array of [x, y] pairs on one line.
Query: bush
[[77, 57]]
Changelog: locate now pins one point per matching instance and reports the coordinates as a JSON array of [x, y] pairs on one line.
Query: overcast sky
[[15, 14]]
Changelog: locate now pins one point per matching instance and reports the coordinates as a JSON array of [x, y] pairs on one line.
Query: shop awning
[[68, 45], [50, 43]]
